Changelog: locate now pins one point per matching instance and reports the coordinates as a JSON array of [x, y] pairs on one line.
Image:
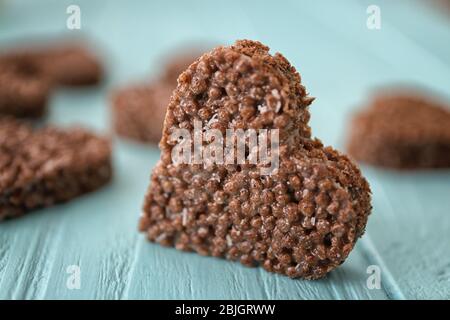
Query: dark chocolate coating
[[303, 220]]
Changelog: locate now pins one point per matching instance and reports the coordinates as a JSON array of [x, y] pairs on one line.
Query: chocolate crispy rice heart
[[302, 220]]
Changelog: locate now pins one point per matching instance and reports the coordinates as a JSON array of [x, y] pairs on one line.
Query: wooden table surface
[[340, 60]]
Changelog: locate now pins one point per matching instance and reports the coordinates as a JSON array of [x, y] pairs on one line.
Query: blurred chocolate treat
[[177, 63], [27, 76], [42, 167], [70, 65], [138, 111], [300, 220], [402, 130], [65, 64], [24, 90], [442, 5]]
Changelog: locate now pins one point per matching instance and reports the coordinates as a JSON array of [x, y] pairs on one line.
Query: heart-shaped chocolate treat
[[45, 166], [298, 213], [402, 130]]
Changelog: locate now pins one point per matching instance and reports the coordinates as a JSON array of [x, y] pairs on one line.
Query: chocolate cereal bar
[[302, 219], [402, 130], [42, 167], [138, 110], [24, 89], [70, 65], [28, 75]]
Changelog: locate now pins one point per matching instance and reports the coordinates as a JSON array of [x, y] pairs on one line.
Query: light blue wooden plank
[[101, 235], [412, 226], [94, 232], [29, 250], [424, 22], [339, 63], [405, 60], [164, 273]]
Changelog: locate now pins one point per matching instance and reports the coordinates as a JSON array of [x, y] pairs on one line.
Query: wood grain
[[340, 60]]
